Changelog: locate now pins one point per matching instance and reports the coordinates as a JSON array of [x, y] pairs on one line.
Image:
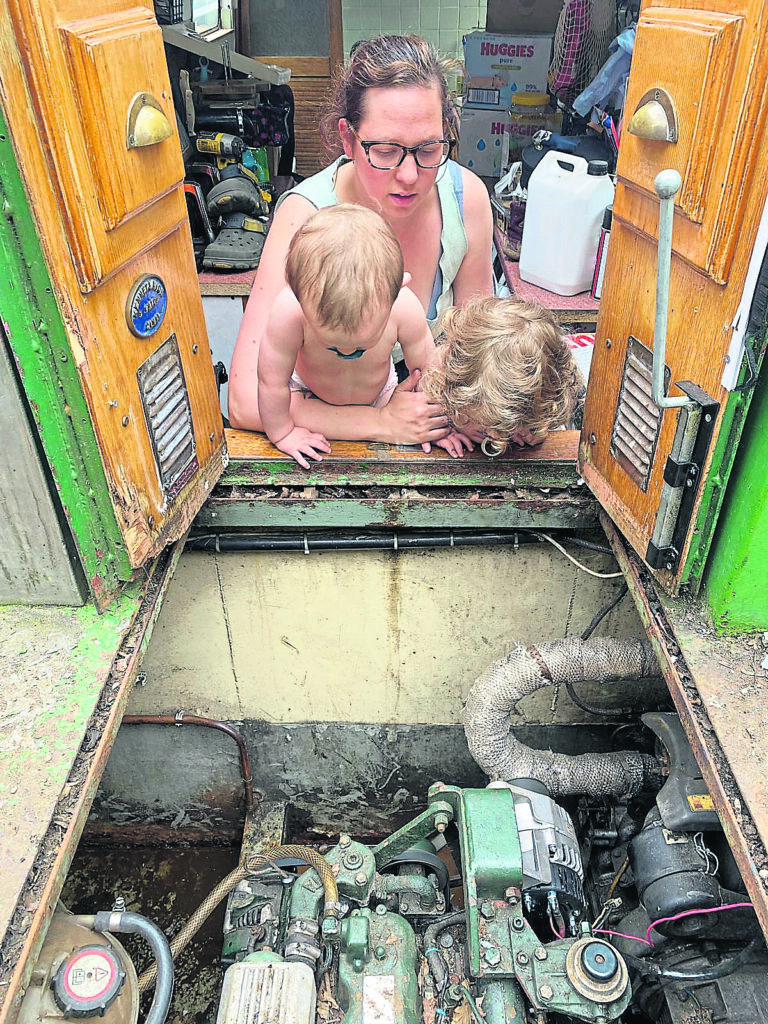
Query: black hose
[[579, 542], [604, 610], [431, 950], [136, 924], [721, 970]]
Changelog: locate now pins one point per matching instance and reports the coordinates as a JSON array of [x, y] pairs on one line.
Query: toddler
[[506, 374], [332, 328]]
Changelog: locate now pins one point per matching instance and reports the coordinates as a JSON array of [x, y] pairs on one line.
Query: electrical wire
[[472, 1005], [690, 913], [604, 611], [611, 889], [576, 562], [721, 970], [621, 935]]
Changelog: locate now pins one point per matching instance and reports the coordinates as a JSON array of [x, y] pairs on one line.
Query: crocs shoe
[[238, 245]]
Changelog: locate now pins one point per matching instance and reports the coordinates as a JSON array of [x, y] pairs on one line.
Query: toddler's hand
[[524, 437], [455, 443], [300, 442]]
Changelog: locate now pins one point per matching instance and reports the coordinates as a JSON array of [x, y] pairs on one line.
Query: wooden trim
[[243, 28], [302, 67], [335, 35]]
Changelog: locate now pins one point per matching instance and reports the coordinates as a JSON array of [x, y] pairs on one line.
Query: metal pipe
[[180, 718], [667, 184], [358, 542]]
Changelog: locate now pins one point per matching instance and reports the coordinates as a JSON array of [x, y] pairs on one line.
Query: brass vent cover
[[167, 412], [638, 418]]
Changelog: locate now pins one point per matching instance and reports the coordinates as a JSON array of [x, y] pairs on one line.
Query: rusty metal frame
[[661, 617], [38, 898]]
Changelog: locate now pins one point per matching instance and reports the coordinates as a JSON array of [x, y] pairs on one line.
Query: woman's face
[[408, 115]]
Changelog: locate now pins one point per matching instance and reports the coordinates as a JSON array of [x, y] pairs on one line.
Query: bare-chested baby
[[333, 327]]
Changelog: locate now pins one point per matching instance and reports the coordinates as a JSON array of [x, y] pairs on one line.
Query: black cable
[[623, 591], [721, 970], [581, 543]]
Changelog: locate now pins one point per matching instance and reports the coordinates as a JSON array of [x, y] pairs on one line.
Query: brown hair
[[381, 63], [342, 262], [505, 364]]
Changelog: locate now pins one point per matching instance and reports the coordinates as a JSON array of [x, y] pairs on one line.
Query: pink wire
[[688, 913], [621, 935], [676, 917]]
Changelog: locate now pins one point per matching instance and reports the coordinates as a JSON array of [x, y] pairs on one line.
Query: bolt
[[441, 821], [512, 895], [492, 956], [195, 349], [540, 953], [380, 952], [608, 342], [487, 910], [522, 958], [114, 403], [593, 438], [707, 418], [126, 421], [669, 567], [403, 907], [517, 924], [361, 878], [446, 940], [381, 910], [211, 436], [344, 841], [546, 992]]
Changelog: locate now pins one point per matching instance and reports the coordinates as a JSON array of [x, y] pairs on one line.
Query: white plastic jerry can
[[567, 197]]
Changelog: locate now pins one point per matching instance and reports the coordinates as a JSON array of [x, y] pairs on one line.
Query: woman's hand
[[411, 418]]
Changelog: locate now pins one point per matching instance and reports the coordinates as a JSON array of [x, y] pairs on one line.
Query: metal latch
[[682, 473]]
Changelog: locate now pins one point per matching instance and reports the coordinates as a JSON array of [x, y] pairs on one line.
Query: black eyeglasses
[[386, 156]]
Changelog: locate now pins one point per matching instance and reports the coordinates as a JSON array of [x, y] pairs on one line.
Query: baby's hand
[[454, 442], [300, 442], [524, 437]]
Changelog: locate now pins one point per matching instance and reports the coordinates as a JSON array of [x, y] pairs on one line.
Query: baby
[[332, 328], [506, 374]]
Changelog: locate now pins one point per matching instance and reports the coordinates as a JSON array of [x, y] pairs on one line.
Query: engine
[[499, 904]]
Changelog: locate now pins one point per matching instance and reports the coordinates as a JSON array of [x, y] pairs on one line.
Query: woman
[[391, 110]]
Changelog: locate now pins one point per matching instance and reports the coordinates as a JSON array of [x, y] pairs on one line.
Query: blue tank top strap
[[458, 185]]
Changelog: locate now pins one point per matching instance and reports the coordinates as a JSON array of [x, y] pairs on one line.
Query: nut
[[540, 953], [546, 992], [492, 956], [361, 878]]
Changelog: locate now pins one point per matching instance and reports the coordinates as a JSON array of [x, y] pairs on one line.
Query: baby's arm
[[413, 332], [277, 358]]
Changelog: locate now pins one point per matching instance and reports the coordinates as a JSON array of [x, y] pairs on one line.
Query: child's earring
[[492, 448]]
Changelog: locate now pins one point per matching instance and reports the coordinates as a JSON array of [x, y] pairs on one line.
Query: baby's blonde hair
[[343, 263], [506, 365]]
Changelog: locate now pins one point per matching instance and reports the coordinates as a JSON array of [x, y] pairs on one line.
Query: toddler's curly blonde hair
[[505, 365]]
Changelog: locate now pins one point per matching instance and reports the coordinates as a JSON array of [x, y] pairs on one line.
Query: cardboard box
[[496, 67], [483, 141], [522, 17]]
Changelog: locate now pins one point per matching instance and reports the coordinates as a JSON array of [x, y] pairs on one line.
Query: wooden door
[[86, 95], [305, 37], [706, 62]]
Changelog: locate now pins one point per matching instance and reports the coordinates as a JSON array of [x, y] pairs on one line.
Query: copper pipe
[[181, 719]]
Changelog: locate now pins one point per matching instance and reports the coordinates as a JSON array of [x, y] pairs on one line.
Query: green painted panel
[[39, 342], [569, 513], [734, 415], [736, 585]]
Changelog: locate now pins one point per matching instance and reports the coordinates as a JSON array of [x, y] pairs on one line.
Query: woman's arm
[[475, 276], [269, 281]]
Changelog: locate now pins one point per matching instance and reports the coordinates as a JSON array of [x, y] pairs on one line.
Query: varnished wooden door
[[706, 61], [85, 91]]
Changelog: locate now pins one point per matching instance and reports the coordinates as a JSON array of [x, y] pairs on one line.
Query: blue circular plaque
[[146, 306]]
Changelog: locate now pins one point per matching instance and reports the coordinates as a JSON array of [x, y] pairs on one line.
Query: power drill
[[220, 144]]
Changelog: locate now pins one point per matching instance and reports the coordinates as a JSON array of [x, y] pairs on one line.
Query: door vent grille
[[167, 412], [638, 418]]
